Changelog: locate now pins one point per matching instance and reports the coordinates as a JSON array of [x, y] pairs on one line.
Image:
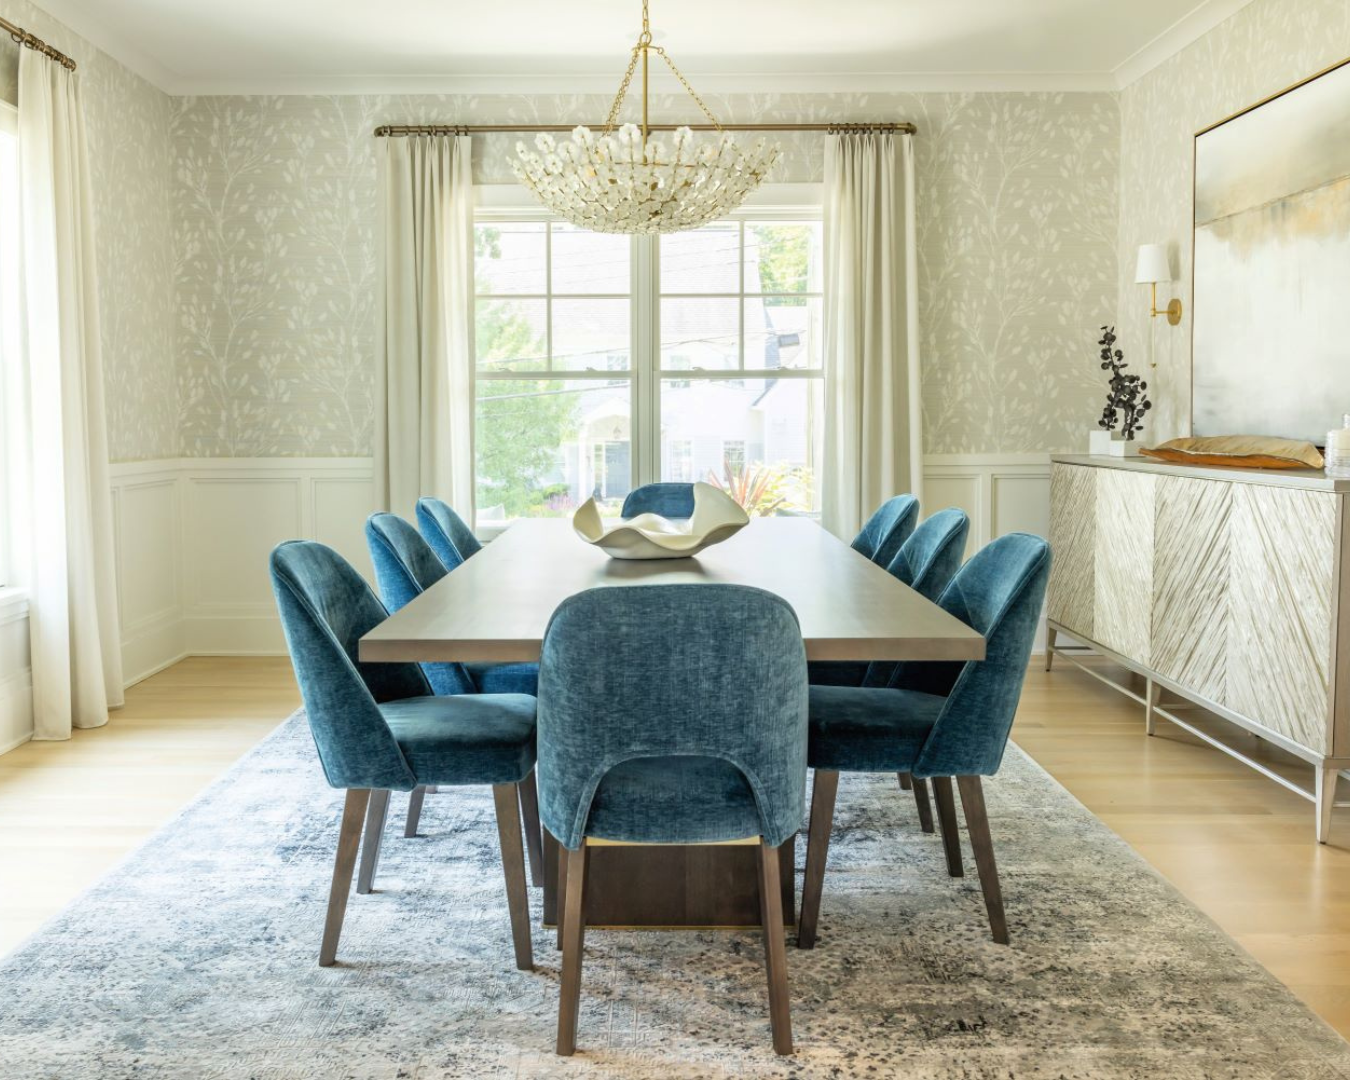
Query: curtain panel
[[425, 378], [62, 499], [873, 419]]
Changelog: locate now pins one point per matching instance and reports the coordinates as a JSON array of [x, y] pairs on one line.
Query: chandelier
[[625, 181]]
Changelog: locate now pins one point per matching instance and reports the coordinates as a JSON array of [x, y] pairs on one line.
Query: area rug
[[196, 959]]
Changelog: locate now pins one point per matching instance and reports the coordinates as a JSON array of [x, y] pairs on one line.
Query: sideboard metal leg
[[1326, 800], [1050, 634], [1152, 695]]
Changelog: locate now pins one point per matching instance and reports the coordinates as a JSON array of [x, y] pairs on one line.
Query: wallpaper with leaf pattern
[[1266, 46], [127, 123], [274, 233]]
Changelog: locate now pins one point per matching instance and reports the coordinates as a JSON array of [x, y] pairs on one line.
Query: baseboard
[[16, 710], [233, 635], [150, 649]]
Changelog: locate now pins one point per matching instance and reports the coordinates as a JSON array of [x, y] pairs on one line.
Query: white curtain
[[425, 382], [55, 403], [873, 434]]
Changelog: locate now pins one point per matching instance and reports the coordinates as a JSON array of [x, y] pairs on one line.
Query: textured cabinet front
[[1073, 530], [1191, 578], [1283, 555], [1122, 619]]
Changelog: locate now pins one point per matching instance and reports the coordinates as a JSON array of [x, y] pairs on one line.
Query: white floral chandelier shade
[[626, 181]]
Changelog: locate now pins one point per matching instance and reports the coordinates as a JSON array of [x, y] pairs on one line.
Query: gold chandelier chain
[[688, 89], [613, 117]]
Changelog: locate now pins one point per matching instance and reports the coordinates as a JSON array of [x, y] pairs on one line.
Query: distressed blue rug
[[196, 960]]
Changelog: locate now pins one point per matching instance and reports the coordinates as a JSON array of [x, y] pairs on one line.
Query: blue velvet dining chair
[[936, 720], [450, 538], [670, 500], [378, 727], [405, 567], [887, 529], [672, 714]]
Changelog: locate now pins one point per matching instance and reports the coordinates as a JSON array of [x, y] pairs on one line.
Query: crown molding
[[1187, 30], [107, 37]]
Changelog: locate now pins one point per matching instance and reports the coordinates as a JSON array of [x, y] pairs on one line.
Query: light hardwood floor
[[1236, 844]]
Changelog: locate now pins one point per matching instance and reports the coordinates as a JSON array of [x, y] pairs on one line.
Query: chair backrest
[[926, 563], [887, 529], [405, 567], [451, 539], [999, 592], [326, 607], [670, 500], [653, 671]]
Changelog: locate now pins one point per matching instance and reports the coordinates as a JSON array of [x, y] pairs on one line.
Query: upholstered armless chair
[[887, 529], [672, 714], [450, 538], [378, 728], [405, 567], [670, 500], [937, 720]]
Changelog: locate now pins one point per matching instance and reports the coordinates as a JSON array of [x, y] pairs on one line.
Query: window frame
[[645, 373]]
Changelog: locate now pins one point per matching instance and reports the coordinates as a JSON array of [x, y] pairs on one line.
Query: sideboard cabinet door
[[1073, 531], [1122, 612]]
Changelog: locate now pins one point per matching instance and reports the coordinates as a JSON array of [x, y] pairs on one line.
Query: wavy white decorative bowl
[[717, 516]]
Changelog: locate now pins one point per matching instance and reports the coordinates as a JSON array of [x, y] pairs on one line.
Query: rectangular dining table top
[[496, 606]]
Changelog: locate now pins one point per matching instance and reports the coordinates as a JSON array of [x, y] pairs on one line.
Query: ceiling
[[326, 46]]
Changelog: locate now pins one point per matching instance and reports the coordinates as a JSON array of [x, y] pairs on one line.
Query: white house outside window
[[605, 362]]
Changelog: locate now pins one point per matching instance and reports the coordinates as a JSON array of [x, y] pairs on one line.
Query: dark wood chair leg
[[349, 839], [775, 952], [925, 807], [573, 941], [534, 837], [415, 800], [563, 862], [977, 820], [823, 790], [377, 813], [507, 799], [906, 781], [946, 813]]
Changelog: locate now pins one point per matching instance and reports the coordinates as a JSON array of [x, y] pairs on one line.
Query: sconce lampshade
[[1153, 265]]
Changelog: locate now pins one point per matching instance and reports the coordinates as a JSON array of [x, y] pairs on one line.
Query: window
[[9, 300], [605, 362]]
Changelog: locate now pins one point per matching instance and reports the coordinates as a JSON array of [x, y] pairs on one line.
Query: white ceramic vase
[[716, 517]]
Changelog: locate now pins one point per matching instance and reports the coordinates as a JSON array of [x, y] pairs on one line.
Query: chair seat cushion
[[640, 799], [465, 739], [836, 672], [505, 678], [866, 729]]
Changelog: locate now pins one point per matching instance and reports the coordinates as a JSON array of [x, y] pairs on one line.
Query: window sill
[[13, 603]]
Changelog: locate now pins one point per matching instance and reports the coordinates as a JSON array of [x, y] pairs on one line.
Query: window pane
[[591, 335], [542, 447], [700, 332], [509, 257], [782, 332], [782, 257], [511, 335], [757, 437], [702, 260], [587, 262]]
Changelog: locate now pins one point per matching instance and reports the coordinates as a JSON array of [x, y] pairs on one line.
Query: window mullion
[[647, 413]]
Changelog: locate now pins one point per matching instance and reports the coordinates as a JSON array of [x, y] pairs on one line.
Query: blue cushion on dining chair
[[405, 567], [887, 529], [450, 538], [925, 562], [670, 500], [945, 718], [672, 713]]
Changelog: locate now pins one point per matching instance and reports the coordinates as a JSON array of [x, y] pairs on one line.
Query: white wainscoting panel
[[193, 536]]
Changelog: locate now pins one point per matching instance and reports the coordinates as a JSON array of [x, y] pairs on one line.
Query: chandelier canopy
[[625, 181]]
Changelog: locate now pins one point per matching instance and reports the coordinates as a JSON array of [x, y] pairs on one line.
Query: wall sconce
[[1153, 266]]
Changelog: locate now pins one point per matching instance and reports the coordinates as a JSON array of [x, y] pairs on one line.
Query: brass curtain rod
[[392, 130], [20, 36]]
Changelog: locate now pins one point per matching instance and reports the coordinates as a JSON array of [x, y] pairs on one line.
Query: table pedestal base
[[671, 886]]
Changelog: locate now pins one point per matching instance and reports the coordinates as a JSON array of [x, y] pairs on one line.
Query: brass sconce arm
[[1172, 310]]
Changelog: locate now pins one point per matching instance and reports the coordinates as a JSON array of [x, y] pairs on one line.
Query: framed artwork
[[1271, 303]]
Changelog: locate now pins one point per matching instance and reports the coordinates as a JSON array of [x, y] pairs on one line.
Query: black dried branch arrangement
[[1125, 401]]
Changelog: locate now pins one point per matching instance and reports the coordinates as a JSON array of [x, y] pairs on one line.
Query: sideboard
[[1226, 588]]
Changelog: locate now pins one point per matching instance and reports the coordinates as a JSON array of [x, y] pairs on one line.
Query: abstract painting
[[1272, 265]]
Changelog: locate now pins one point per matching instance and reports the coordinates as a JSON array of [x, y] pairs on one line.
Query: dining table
[[496, 606]]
